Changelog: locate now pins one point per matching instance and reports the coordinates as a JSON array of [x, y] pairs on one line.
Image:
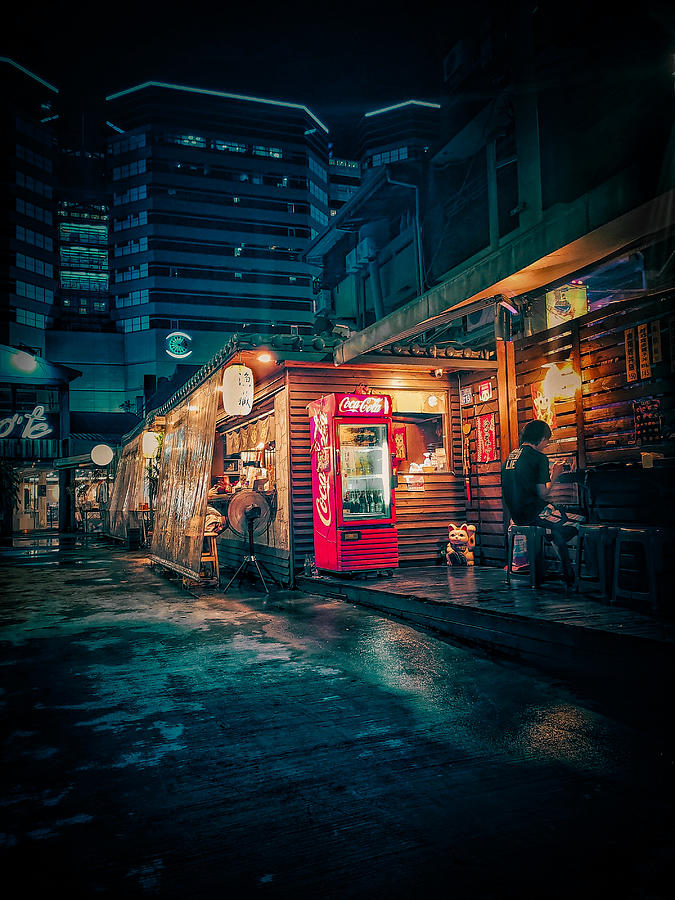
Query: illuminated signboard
[[370, 405], [27, 426], [178, 344]]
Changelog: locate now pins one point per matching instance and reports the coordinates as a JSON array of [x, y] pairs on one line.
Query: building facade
[[28, 237], [214, 196]]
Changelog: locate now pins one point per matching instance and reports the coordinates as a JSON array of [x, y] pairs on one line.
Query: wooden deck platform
[[566, 634]]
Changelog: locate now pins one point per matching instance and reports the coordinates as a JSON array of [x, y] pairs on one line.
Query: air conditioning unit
[[365, 251], [351, 265], [322, 302]]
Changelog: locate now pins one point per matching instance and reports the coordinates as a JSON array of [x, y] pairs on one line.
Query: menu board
[[647, 414]]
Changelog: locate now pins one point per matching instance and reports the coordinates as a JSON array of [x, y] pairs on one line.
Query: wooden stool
[[534, 535], [210, 556], [650, 543], [597, 539]]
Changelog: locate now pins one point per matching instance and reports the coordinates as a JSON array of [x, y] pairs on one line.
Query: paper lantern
[[150, 444], [237, 390], [101, 454]]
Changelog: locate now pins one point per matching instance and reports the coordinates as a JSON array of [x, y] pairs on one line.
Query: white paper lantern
[[150, 444], [101, 454], [237, 390]]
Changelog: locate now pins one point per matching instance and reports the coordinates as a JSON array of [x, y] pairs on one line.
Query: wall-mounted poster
[[466, 396], [566, 303], [542, 405], [630, 343], [485, 391], [643, 351], [414, 482], [486, 438], [400, 447]]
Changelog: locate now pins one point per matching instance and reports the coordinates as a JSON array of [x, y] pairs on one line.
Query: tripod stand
[[251, 514]]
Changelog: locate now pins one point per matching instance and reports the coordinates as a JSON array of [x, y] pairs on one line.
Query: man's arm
[[543, 490]]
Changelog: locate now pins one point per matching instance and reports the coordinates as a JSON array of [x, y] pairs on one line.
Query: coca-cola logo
[[322, 501], [364, 406]]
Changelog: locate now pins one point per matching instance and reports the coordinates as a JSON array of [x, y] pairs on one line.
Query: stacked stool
[[210, 557], [534, 535], [649, 545], [594, 542]]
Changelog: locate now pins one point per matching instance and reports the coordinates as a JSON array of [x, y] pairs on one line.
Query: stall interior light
[[265, 357], [150, 444], [432, 400], [260, 446], [561, 382]]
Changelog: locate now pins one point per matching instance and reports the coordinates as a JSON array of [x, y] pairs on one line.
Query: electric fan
[[248, 515]]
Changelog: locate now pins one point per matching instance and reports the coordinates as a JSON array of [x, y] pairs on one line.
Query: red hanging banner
[[486, 435]]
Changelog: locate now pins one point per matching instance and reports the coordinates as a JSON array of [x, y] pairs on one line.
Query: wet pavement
[[164, 743]]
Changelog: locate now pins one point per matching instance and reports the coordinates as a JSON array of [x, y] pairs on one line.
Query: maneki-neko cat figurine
[[461, 543]]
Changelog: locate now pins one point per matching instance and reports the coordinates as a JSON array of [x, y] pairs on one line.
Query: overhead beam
[[459, 364], [564, 242]]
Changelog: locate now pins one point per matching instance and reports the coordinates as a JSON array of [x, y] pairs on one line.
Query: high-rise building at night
[[344, 178], [406, 130], [213, 198], [28, 237]]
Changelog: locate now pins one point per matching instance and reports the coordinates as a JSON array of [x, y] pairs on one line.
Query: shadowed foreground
[[160, 744]]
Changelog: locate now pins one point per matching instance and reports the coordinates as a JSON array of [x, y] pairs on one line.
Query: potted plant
[[10, 493]]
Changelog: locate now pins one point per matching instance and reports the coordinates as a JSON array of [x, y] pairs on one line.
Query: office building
[[214, 197], [28, 261], [406, 130]]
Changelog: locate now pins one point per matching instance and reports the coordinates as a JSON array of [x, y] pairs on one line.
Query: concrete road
[[161, 744]]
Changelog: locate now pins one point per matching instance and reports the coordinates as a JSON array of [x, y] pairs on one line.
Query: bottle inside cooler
[[365, 471]]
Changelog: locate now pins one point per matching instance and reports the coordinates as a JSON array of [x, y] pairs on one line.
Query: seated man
[[526, 483]]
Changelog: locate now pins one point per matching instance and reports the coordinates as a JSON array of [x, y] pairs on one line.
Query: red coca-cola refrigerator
[[352, 483]]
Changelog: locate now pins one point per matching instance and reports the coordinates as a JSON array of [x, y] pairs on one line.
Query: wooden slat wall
[[231, 553], [422, 525], [422, 518], [601, 428], [485, 510]]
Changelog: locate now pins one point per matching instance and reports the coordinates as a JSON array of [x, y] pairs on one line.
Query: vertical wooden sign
[[671, 340], [657, 353], [631, 359], [643, 351]]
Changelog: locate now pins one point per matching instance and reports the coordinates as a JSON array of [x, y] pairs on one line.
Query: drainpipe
[[418, 241]]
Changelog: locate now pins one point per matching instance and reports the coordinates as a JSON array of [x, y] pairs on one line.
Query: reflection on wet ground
[[160, 743]]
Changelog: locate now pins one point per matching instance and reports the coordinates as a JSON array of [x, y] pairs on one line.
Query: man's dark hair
[[534, 431]]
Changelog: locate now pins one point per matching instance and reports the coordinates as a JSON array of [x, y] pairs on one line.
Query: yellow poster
[[631, 359], [566, 303], [643, 351]]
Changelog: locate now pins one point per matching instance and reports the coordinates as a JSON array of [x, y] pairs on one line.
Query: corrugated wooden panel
[[419, 538], [231, 554], [605, 430]]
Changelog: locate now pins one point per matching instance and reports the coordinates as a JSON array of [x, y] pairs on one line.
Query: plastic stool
[[534, 535], [210, 555], [596, 538], [650, 540]]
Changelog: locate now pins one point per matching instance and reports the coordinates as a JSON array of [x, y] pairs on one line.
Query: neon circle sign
[[178, 344]]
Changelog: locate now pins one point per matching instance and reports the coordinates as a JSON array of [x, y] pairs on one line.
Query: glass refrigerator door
[[365, 473]]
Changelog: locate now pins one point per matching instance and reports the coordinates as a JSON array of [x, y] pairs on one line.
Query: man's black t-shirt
[[523, 470]]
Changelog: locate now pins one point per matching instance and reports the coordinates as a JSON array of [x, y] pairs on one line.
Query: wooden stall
[[612, 404], [266, 452], [427, 498]]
